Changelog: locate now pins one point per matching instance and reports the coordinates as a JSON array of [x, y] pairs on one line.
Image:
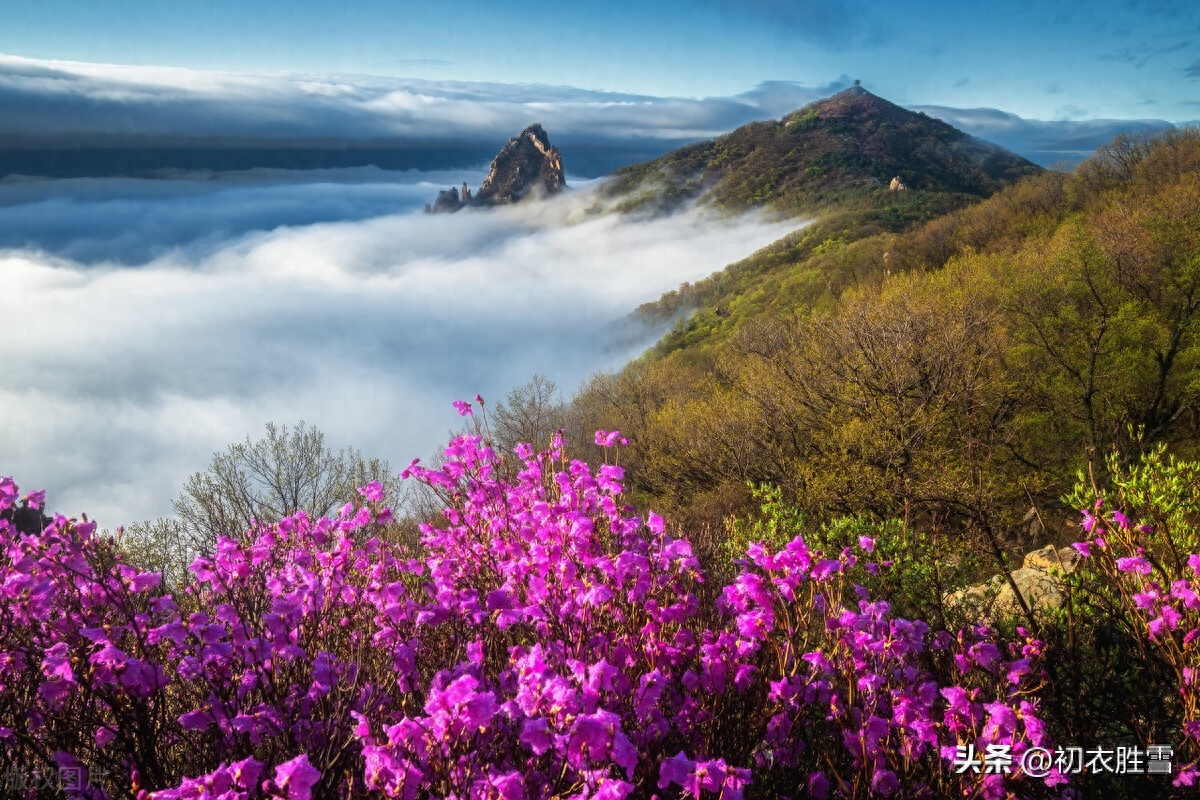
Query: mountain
[[950, 375], [851, 148], [527, 166]]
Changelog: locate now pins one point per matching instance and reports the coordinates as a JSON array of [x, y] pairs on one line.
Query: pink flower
[[463, 408], [298, 777], [675, 770], [1134, 564], [104, 735], [372, 492]]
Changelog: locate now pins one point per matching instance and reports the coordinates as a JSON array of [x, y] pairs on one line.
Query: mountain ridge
[[841, 150]]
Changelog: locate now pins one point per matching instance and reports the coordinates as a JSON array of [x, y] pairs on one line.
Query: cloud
[[1192, 70], [101, 119], [1045, 142], [128, 363], [50, 98], [138, 112], [1142, 54], [133, 221]]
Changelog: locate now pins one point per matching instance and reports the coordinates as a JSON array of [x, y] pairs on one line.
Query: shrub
[[544, 642]]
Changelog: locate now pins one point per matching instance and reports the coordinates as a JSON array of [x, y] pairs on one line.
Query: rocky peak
[[527, 165]]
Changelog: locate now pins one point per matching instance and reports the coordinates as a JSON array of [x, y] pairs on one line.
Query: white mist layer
[[134, 355]]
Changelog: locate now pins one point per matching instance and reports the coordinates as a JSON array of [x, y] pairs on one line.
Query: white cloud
[[1045, 142], [71, 98], [42, 100], [122, 376]]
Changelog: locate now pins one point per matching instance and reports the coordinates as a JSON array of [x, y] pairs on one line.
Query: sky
[[1099, 59]]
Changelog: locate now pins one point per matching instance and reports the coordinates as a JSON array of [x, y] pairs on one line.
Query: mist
[[147, 324]]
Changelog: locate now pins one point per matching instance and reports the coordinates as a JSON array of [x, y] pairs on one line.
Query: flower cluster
[[1160, 587], [545, 642]]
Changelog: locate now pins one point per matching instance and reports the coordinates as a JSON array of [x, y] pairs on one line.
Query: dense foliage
[[956, 374], [541, 642]]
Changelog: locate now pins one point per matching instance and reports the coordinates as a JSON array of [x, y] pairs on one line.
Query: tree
[[289, 470], [529, 413]]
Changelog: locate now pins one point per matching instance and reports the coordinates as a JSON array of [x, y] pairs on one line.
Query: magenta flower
[[8, 493], [818, 785], [297, 777], [608, 438], [675, 770], [1134, 564], [884, 783], [245, 773], [463, 408], [372, 492]]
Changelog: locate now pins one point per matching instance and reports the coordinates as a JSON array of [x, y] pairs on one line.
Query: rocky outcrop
[[447, 200], [528, 166], [1039, 580]]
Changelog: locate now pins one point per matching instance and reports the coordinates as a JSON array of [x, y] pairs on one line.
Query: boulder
[[1039, 580], [1040, 589], [1064, 559]]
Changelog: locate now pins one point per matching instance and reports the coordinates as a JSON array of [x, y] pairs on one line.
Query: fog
[[147, 324]]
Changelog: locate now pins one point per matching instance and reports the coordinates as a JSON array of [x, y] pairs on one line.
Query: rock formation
[[528, 166], [448, 200], [1039, 580], [26, 520]]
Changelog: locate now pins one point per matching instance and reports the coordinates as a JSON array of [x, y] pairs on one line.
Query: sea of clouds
[[148, 323]]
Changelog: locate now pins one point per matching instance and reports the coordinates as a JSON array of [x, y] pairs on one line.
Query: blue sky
[[1122, 59]]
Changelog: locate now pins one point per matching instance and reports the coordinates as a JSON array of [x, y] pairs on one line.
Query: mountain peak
[[856, 90], [854, 102], [843, 149], [528, 164]]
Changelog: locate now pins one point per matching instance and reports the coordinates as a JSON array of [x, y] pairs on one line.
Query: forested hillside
[[833, 153], [958, 373]]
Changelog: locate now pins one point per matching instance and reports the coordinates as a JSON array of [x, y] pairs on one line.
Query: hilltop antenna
[[857, 82]]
